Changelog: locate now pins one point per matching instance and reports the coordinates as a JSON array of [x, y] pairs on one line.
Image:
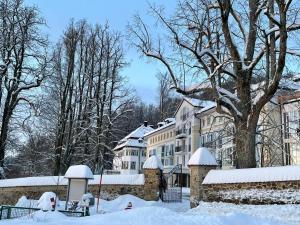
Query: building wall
[[270, 148], [290, 131], [162, 143], [217, 133], [127, 162], [187, 133]]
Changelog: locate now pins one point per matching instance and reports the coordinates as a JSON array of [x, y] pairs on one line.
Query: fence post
[[8, 213]]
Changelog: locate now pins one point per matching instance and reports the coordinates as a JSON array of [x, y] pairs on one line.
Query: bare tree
[[23, 60], [167, 100], [226, 41], [90, 95]]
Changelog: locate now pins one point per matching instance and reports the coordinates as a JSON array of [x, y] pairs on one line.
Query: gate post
[[201, 162], [152, 171]]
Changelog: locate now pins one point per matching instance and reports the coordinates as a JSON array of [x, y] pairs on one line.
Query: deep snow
[[152, 213]]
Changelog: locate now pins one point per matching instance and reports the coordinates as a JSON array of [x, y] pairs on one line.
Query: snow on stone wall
[[266, 174], [287, 196], [137, 179]]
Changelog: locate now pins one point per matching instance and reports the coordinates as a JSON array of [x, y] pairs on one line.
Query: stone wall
[[10, 195], [275, 192], [148, 190]]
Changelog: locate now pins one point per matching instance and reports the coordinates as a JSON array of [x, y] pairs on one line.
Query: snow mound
[[44, 202], [202, 156], [265, 174], [153, 163], [122, 201], [27, 203], [79, 171]]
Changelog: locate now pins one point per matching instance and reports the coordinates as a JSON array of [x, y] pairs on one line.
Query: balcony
[[181, 148], [180, 133]]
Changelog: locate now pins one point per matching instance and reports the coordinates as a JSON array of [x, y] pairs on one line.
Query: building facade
[[130, 153], [290, 116]]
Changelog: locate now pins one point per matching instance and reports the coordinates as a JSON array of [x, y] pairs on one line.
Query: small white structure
[[203, 157], [78, 177], [153, 163]]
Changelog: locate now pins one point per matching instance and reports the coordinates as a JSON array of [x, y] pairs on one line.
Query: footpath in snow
[[158, 213]]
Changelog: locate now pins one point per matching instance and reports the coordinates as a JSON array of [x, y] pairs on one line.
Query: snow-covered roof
[[79, 171], [136, 179], [194, 102], [265, 174], [153, 163], [161, 128], [132, 139], [202, 156], [206, 106]]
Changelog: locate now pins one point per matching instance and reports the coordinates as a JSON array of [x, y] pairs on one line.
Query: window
[[133, 165], [220, 143], [208, 121], [142, 164], [152, 152], [162, 151], [166, 150], [183, 160], [203, 122], [134, 152], [171, 162], [166, 162], [124, 165]]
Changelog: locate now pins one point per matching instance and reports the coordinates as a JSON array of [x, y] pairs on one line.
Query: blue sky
[[118, 13]]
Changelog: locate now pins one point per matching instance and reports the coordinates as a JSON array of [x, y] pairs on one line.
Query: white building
[[130, 153], [290, 108]]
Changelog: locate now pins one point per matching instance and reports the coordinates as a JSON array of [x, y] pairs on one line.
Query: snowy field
[[158, 213]]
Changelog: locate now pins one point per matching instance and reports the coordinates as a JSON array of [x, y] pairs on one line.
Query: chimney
[[145, 123]]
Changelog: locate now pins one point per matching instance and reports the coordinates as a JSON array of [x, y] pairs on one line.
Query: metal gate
[[173, 188]]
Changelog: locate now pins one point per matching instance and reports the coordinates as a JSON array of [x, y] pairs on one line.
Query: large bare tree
[[22, 58], [216, 43]]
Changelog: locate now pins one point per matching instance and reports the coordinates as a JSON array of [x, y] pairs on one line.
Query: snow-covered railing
[[137, 179], [253, 175]]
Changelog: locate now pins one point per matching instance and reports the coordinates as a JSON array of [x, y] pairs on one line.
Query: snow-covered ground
[[152, 213]]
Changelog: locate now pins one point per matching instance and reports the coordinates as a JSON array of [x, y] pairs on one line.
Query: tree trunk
[[245, 146]]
